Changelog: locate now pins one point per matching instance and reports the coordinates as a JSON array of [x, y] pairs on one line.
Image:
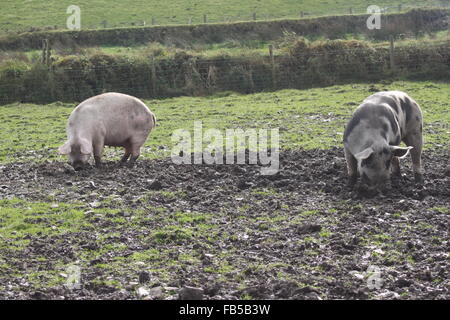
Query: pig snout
[[78, 165], [374, 183]]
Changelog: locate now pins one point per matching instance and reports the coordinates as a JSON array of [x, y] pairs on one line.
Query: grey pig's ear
[[400, 152], [85, 147], [364, 154], [65, 148]]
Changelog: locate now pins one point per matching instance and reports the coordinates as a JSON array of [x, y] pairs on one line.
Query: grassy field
[[114, 226], [24, 15], [312, 118]]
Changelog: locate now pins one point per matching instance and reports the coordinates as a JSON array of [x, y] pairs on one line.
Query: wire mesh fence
[[336, 62]]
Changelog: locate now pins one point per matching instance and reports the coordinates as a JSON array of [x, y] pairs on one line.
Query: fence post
[[254, 15], [302, 14], [44, 50], [205, 18], [153, 21], [400, 7], [272, 63], [49, 54], [190, 20], [391, 52], [351, 10], [153, 77]]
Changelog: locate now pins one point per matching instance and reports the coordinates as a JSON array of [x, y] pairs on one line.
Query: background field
[[300, 234], [24, 15], [312, 118]]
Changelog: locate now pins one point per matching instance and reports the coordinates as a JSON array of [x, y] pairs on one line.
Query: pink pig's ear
[[85, 147], [65, 148]]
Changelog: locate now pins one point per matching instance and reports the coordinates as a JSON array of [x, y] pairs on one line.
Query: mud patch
[[233, 233]]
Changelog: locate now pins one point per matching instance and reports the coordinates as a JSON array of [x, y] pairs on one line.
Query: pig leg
[[415, 140], [395, 163], [98, 150], [126, 155], [352, 167], [135, 153]]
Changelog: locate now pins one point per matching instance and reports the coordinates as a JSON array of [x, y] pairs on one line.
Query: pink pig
[[111, 119]]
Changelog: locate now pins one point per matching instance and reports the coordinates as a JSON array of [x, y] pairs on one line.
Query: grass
[[313, 118], [23, 16], [21, 218]]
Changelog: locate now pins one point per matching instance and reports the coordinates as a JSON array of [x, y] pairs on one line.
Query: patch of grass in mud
[[146, 255], [309, 119], [20, 218], [171, 234], [181, 227], [441, 210]]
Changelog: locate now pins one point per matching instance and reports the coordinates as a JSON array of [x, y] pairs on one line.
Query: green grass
[[23, 15], [313, 118], [21, 218]]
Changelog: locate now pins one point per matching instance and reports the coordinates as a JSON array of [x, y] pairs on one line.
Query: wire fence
[[302, 67]]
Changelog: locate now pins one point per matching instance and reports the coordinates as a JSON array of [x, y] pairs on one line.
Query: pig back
[[116, 117]]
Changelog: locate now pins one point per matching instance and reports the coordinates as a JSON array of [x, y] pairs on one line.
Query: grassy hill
[[26, 15]]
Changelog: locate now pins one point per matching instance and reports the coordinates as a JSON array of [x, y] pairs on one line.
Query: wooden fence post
[[153, 21], [302, 14], [272, 63], [205, 18], [254, 15], [49, 54], [351, 10], [44, 50], [400, 7], [391, 52]]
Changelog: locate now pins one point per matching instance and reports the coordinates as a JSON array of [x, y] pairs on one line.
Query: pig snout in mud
[[110, 119]]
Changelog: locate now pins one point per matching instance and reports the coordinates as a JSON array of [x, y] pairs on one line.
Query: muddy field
[[299, 234]]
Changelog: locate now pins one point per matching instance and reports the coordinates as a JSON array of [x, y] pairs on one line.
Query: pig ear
[[65, 148], [85, 147], [364, 154], [400, 152]]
